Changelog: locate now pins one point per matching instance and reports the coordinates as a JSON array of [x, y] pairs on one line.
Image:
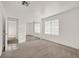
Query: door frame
[[6, 29]]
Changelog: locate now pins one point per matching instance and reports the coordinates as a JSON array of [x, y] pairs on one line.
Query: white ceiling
[[37, 9]]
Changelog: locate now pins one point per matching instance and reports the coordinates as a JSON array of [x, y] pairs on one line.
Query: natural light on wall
[[52, 27], [37, 27]]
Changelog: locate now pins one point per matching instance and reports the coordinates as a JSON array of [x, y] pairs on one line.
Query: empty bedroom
[[39, 29]]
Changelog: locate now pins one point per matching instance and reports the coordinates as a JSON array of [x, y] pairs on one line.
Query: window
[[52, 27], [37, 27], [47, 27]]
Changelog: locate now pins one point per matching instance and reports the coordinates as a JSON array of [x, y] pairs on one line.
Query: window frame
[[51, 27]]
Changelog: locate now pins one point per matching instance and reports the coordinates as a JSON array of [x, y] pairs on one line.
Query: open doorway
[[11, 33]]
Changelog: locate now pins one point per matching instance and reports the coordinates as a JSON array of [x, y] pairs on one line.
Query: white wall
[[69, 29], [0, 32], [22, 30], [2, 17]]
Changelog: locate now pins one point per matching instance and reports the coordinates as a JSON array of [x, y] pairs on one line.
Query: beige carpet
[[41, 49]]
